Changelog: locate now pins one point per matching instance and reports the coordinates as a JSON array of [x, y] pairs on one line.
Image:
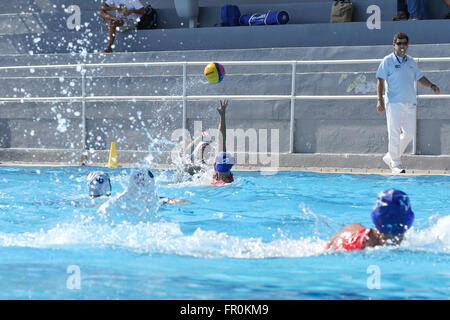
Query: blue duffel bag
[[230, 16], [271, 17]]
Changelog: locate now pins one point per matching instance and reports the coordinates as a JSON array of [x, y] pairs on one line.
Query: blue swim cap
[[99, 184], [392, 212], [224, 161]]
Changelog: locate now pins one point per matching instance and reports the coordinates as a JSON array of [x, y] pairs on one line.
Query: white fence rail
[[185, 97]]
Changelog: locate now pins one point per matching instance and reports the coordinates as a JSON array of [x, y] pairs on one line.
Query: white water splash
[[163, 237], [167, 238], [62, 123], [436, 237], [139, 201]]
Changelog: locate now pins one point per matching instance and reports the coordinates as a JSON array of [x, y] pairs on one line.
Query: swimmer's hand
[[222, 107]]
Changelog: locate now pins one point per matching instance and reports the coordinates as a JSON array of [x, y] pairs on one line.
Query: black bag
[[148, 19]]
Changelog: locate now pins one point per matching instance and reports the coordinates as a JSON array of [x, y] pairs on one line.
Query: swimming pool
[[259, 238]]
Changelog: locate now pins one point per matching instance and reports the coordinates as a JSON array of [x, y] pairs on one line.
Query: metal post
[[414, 141], [83, 106], [291, 129], [184, 103]]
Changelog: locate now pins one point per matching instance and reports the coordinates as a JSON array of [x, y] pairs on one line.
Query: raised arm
[[222, 130]]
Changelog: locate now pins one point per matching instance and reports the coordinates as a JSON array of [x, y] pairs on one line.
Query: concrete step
[[38, 23], [300, 11], [18, 6], [303, 12], [223, 55], [210, 11], [51, 6], [90, 21], [308, 35], [38, 6]]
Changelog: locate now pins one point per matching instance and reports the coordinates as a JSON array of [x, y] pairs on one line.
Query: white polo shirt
[[400, 75], [130, 4]]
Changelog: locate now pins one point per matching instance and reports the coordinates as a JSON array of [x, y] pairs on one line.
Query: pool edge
[[265, 163]]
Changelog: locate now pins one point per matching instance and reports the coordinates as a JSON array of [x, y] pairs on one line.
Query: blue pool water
[[259, 238]]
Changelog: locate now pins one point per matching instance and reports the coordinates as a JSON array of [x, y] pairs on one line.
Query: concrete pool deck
[[314, 162]]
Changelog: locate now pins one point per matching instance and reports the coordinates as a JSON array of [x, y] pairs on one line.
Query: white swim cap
[[99, 184], [142, 179]]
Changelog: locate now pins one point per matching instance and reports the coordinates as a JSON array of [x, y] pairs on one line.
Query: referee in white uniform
[[400, 72]]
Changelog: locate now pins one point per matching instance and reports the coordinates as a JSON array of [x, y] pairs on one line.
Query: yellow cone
[[113, 162], [84, 159]]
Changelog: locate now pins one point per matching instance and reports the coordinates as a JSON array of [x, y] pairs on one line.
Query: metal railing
[[82, 68]]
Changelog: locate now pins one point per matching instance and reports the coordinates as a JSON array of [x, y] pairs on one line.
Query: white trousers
[[401, 125]]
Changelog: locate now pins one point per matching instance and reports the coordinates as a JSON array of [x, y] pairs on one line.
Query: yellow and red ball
[[214, 72]]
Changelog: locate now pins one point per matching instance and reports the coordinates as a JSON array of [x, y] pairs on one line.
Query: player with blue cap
[[224, 161], [392, 216], [99, 184]]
